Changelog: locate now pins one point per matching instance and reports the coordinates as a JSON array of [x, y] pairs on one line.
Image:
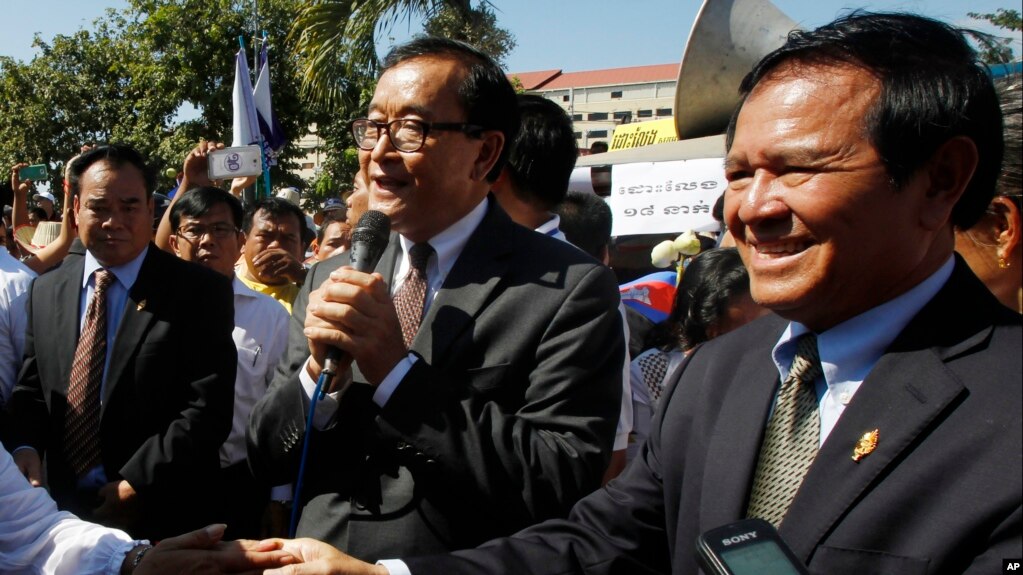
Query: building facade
[[600, 100]]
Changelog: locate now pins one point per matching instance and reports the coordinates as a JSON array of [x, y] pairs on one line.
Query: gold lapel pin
[[141, 306], [866, 445]]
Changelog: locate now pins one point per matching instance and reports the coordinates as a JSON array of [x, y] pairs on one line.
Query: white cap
[[290, 194], [44, 196]]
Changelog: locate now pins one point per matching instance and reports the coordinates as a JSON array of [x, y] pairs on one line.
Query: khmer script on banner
[[665, 197]]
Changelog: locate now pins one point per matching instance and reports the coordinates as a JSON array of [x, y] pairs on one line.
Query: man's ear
[[173, 241], [948, 172], [493, 143], [1007, 226]]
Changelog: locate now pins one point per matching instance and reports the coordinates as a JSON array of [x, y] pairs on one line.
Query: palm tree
[[336, 42]]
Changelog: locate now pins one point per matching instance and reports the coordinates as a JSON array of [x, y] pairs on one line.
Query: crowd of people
[[840, 371]]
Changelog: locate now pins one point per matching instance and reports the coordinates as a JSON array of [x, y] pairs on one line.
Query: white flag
[[246, 127]]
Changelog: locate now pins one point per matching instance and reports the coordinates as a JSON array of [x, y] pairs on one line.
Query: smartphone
[[235, 162], [747, 547], [35, 172]]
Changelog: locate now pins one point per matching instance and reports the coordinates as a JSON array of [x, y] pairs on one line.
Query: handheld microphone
[[369, 239]]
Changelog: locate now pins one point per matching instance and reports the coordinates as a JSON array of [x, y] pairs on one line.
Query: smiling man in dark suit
[[500, 410], [877, 421], [131, 432]]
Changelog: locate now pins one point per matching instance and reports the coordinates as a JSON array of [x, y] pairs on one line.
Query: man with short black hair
[[130, 432], [334, 236], [275, 240], [540, 162], [206, 224], [875, 420], [489, 401]]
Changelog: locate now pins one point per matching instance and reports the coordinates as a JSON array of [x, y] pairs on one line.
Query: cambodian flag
[[651, 295]]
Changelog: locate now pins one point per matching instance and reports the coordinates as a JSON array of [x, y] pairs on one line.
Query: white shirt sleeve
[[385, 390], [326, 408], [36, 538], [395, 566]]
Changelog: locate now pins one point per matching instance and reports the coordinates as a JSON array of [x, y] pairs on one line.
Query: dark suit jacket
[[941, 493], [507, 419], [169, 391]]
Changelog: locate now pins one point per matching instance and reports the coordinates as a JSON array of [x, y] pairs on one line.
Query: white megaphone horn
[[727, 39]]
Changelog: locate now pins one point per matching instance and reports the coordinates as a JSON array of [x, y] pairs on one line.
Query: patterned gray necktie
[[410, 301], [82, 422], [791, 440]]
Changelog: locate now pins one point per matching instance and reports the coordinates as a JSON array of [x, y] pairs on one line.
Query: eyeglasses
[[406, 134], [216, 231]]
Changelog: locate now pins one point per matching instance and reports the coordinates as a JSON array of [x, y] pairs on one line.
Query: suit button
[[402, 447]]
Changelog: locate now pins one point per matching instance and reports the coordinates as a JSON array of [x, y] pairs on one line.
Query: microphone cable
[[318, 394]]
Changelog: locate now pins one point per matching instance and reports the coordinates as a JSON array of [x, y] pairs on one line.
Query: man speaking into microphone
[[485, 357]]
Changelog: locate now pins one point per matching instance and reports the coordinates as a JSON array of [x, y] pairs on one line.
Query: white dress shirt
[[36, 538], [261, 336], [15, 279]]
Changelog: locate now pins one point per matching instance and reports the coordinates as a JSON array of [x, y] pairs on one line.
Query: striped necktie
[[82, 423]]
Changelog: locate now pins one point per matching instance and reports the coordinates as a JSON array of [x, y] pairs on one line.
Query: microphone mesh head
[[372, 224]]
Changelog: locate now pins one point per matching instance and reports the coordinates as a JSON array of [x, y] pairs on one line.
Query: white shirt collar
[[850, 349], [447, 245]]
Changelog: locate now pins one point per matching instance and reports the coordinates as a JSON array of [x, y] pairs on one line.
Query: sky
[[570, 35]]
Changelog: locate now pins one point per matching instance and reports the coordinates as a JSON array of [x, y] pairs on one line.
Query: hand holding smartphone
[[35, 172], [235, 162]]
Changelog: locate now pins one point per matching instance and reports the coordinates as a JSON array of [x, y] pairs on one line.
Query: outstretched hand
[[203, 551], [319, 558]]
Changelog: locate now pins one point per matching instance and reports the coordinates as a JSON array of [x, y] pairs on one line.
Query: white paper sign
[[665, 197]]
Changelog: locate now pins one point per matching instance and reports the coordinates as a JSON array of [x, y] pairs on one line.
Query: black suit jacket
[[169, 391], [941, 493], [507, 419]]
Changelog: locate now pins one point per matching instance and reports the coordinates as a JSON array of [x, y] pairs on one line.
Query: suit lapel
[[66, 314], [467, 288], [903, 394], [135, 321], [737, 437], [389, 259]]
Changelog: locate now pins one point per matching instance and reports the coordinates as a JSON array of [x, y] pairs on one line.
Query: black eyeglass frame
[[471, 130], [188, 233]]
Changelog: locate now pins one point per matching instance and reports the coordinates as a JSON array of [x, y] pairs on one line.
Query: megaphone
[[727, 39]]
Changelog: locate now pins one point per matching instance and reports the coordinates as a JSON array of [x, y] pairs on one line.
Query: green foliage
[[335, 41], [126, 78], [993, 49], [476, 27], [1002, 18]]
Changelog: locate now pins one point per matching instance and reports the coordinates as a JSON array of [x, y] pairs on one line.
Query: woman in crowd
[[992, 246], [713, 298]]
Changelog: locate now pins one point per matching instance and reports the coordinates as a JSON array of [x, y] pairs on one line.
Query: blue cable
[[318, 395]]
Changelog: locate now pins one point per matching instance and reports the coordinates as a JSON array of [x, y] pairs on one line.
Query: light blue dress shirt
[[849, 350]]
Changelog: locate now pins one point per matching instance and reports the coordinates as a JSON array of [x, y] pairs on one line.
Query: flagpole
[[262, 145]]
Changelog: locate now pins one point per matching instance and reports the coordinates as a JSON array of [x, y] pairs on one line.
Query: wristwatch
[[134, 557]]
